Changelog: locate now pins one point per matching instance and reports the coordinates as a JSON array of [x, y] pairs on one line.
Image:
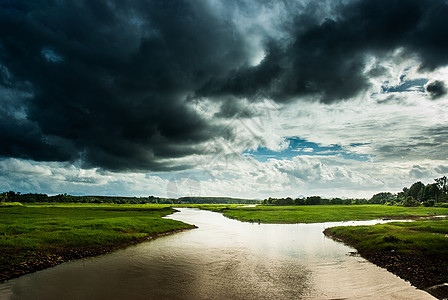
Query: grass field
[[32, 231], [321, 213], [415, 251], [424, 237]]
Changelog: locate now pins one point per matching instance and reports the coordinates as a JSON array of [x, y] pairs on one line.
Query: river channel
[[221, 259]]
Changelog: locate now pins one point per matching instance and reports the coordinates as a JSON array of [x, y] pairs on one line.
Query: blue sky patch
[[298, 146], [406, 86]]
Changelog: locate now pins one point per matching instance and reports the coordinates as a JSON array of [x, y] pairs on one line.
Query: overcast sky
[[241, 98]]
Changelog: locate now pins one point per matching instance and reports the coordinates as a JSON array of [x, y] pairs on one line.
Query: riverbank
[[33, 238], [414, 251]]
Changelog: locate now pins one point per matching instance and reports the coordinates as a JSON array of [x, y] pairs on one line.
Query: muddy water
[[222, 259]]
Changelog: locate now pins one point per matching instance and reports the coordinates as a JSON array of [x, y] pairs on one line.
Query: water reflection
[[222, 259]]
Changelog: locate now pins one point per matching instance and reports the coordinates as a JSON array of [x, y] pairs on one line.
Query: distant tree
[[360, 201], [313, 200], [381, 198], [11, 196], [428, 193], [405, 191], [429, 203], [442, 184], [283, 201], [324, 201], [442, 187], [415, 188], [299, 201], [337, 201], [410, 202]]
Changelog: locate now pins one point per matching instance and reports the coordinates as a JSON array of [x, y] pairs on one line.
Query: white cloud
[[54, 178], [17, 166]]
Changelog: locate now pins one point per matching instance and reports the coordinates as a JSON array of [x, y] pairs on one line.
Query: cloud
[[54, 178], [327, 56], [114, 91], [23, 167], [442, 169], [114, 85], [418, 172], [436, 89]]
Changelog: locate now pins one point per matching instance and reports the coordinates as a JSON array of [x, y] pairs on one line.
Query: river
[[222, 259]]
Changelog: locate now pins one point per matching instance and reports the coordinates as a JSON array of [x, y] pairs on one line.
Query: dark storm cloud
[[327, 58], [436, 89], [20, 138], [232, 108], [110, 79], [112, 82]]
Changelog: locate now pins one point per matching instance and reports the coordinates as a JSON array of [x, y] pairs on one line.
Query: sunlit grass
[[10, 204], [424, 237], [322, 213], [26, 231]]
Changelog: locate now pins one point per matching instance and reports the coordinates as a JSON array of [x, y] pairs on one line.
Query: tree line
[[432, 194], [216, 200], [12, 196], [313, 200], [417, 194]]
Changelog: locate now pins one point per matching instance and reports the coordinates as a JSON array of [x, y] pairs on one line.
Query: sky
[[238, 98]]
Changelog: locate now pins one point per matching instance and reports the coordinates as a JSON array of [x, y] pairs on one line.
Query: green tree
[[381, 198], [442, 186], [336, 201], [428, 193], [299, 201], [313, 200], [415, 188], [410, 202], [11, 196]]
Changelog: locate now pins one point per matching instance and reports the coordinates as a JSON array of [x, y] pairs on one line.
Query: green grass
[[416, 251], [423, 237], [10, 204], [321, 213], [28, 231]]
